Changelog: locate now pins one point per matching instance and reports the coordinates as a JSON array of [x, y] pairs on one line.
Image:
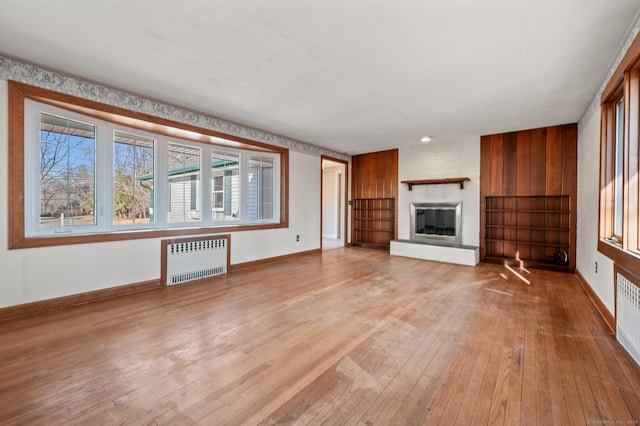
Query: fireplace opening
[[436, 222]]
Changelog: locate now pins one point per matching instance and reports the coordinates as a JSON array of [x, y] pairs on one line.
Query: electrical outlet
[[596, 267], [297, 237]]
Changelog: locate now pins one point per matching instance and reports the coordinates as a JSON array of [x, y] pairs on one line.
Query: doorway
[[334, 196]]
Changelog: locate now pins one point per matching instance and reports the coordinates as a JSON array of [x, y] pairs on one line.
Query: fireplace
[[438, 223]]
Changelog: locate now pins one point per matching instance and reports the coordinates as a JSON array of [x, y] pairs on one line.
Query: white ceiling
[[350, 75]]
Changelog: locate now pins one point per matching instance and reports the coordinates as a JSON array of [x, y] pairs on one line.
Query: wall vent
[[628, 315], [189, 259]]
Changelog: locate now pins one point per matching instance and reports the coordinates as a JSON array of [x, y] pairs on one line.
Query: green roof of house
[[190, 169]]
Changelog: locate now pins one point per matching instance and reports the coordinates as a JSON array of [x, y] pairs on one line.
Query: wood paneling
[[509, 185], [497, 157], [553, 159], [531, 177], [344, 337], [485, 181], [374, 193], [375, 175], [509, 164], [538, 162], [523, 160], [523, 188]]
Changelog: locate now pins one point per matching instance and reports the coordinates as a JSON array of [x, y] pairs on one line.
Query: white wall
[[29, 275], [587, 233], [436, 160], [304, 217], [330, 202]]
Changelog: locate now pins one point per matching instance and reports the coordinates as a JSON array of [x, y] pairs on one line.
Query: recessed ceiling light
[[425, 139]]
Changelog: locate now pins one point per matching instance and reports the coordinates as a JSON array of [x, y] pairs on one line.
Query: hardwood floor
[[349, 336]]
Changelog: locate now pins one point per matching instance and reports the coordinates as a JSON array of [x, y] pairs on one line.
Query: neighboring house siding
[[234, 197], [184, 198], [253, 197], [230, 209], [261, 203]]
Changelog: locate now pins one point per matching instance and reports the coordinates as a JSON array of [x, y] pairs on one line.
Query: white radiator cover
[[194, 260], [628, 316]]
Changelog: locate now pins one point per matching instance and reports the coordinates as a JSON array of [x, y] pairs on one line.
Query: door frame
[[345, 195]]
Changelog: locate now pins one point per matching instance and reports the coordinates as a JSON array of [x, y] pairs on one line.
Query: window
[[66, 173], [619, 225], [70, 145], [225, 200], [183, 178], [614, 163], [89, 179], [618, 207], [261, 187], [133, 175]]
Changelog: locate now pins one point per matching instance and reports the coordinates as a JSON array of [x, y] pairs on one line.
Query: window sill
[[50, 241], [615, 252]]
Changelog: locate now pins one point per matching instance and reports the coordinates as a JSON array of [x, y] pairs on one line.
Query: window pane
[[225, 186], [218, 183], [67, 172], [132, 179], [218, 201], [260, 187], [184, 182], [617, 191]]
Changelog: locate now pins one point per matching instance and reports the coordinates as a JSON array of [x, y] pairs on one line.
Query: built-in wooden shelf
[[534, 230], [373, 222], [459, 180], [526, 263]]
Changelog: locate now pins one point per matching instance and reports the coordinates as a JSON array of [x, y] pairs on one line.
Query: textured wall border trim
[[35, 75]]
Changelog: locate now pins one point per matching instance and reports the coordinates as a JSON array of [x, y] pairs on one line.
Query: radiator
[[188, 260], [628, 315]]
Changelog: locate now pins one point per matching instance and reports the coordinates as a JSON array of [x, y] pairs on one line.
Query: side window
[[67, 173], [261, 187], [225, 184], [618, 168], [619, 227], [183, 182], [133, 179]]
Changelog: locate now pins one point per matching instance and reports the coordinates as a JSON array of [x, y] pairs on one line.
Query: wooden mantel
[[460, 180]]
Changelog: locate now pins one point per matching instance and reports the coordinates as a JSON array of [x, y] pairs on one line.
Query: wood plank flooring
[[349, 336]]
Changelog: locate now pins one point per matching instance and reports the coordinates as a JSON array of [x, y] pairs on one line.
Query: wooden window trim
[[607, 162], [620, 257], [628, 61], [19, 92], [632, 110], [625, 81]]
